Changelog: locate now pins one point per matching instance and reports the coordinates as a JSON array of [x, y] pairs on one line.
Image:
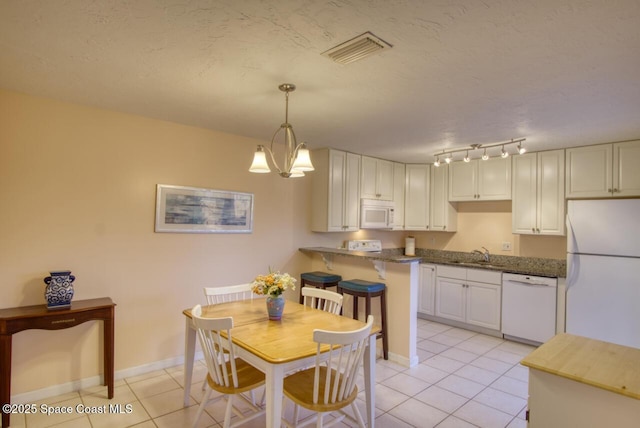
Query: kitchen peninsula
[[402, 275], [399, 273]]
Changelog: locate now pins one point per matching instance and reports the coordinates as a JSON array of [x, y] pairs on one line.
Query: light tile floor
[[464, 379]]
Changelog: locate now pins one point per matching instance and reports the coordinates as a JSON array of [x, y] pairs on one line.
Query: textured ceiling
[[558, 72]]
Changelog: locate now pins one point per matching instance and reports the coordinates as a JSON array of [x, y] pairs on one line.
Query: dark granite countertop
[[511, 264]]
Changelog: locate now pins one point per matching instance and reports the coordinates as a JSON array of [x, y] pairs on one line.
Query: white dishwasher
[[528, 307]]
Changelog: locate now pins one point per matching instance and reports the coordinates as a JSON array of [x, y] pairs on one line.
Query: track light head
[[504, 153]]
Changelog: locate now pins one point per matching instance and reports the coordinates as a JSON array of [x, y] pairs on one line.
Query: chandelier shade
[[259, 164], [297, 160]]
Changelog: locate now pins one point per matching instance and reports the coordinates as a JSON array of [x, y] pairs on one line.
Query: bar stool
[[361, 288], [319, 280]]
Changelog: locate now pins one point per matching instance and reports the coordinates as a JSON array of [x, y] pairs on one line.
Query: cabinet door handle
[[616, 190], [609, 190], [533, 229], [538, 230]]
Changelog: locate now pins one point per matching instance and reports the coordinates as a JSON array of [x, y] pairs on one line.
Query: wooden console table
[[15, 320]]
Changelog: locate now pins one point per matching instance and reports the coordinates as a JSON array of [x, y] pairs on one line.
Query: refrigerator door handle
[[572, 245], [573, 267]]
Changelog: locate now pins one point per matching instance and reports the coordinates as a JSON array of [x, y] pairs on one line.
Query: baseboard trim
[[77, 385], [403, 361]]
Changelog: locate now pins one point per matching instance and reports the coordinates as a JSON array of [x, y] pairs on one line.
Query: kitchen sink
[[480, 263]]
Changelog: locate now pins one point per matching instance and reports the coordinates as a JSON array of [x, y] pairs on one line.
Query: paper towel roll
[[410, 246]]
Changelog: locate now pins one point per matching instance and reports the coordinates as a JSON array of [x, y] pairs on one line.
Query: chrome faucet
[[485, 254]]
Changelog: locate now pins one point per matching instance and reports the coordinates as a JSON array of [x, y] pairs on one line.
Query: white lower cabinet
[[471, 296], [427, 290], [451, 298]]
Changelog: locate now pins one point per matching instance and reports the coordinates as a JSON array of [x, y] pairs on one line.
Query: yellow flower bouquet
[[273, 284]]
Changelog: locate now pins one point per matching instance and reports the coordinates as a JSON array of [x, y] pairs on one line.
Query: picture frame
[[181, 209]]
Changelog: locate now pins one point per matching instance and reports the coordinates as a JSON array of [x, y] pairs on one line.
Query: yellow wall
[[77, 192], [488, 224]]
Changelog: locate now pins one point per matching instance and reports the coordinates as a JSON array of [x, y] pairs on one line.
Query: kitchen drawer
[[486, 276], [452, 272]]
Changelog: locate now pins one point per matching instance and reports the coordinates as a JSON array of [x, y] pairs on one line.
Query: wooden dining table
[[278, 347]]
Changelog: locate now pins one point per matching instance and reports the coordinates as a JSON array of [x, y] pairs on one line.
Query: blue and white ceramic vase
[[59, 290], [275, 307]]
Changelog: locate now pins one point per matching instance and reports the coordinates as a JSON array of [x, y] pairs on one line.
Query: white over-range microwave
[[376, 214]]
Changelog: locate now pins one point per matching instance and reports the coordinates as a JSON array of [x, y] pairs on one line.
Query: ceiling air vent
[[357, 48]]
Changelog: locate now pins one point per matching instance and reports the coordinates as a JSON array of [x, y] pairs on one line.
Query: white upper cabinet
[[538, 193], [336, 191], [398, 195], [604, 170], [376, 180], [416, 197], [442, 213], [480, 180]]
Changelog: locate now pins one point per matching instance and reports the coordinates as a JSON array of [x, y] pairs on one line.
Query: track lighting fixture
[[448, 154]]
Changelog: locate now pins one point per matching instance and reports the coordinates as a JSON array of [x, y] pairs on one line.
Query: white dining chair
[[325, 300], [228, 293], [227, 374], [330, 385]]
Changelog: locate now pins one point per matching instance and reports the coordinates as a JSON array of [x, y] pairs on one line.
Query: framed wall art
[[194, 210]]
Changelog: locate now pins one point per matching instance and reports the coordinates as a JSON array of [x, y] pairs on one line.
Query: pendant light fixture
[[296, 156], [448, 154]]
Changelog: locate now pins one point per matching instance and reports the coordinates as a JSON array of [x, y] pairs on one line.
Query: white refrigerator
[[603, 270]]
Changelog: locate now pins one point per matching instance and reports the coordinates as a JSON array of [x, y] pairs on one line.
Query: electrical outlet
[[506, 246]]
